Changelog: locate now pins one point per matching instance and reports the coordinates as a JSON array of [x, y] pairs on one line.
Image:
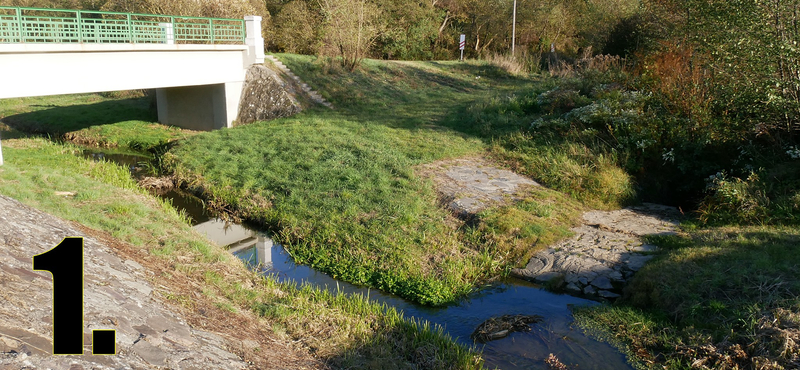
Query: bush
[[763, 197]]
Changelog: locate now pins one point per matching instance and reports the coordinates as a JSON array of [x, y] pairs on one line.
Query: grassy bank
[[722, 298], [115, 119], [213, 288], [724, 295], [340, 189]]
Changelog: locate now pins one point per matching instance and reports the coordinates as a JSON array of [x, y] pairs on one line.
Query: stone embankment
[[315, 96], [604, 252], [120, 294], [116, 296], [265, 96]]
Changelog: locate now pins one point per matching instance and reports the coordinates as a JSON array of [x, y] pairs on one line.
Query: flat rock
[[117, 296], [572, 288], [470, 185], [602, 282], [607, 294], [606, 249]]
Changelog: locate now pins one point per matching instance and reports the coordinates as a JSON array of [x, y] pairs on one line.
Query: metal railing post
[[80, 26], [130, 29], [211, 29], [19, 25]]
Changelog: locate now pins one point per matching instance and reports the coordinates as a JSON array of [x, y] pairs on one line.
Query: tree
[[297, 28], [351, 27]]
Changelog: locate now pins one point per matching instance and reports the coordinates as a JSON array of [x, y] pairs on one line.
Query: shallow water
[[520, 350]]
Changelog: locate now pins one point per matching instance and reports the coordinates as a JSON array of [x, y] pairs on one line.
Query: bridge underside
[[198, 86]]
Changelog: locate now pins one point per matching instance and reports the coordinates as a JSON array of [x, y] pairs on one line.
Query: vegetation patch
[[111, 120], [722, 297], [343, 330], [337, 188]]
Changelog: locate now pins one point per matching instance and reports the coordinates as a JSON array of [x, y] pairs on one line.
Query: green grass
[[338, 188], [713, 293], [343, 330], [523, 130], [121, 119]]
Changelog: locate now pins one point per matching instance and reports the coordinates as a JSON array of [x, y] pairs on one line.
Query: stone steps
[[313, 94]]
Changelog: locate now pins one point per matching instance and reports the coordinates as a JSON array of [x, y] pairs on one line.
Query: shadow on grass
[[727, 283], [726, 298], [405, 95], [60, 119], [714, 277]]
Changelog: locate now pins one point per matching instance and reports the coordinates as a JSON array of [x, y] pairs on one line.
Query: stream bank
[[555, 334]]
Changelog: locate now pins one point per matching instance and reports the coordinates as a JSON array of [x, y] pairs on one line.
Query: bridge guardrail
[[40, 25]]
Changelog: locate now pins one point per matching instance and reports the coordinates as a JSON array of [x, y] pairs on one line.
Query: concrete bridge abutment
[[213, 106], [202, 108]]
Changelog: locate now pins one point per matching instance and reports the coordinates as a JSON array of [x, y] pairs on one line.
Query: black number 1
[[65, 263]]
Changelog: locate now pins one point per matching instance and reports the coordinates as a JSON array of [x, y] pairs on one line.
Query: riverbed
[[554, 334]]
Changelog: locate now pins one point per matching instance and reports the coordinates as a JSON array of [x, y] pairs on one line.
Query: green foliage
[[338, 188], [516, 232], [36, 172], [296, 28], [118, 119], [351, 28], [768, 197], [724, 297], [411, 32]]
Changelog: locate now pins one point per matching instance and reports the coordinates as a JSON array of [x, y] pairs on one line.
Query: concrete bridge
[[196, 65]]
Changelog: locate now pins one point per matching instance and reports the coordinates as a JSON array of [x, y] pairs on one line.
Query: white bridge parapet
[[197, 86]]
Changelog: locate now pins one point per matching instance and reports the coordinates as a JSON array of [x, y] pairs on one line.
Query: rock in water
[[500, 327], [265, 96]]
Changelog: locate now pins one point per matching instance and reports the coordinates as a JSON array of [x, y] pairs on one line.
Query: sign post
[[461, 44]]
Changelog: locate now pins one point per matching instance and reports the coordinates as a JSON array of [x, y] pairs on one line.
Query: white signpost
[[461, 44]]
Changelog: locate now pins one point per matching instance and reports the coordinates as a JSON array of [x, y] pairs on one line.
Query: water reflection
[[520, 350]]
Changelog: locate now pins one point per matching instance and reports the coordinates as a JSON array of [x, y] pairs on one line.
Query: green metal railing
[[37, 25]]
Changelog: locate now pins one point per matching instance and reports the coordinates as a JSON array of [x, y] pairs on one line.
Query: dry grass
[[512, 65], [587, 62]]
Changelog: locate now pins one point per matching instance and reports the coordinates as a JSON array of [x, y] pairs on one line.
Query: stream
[[520, 350]]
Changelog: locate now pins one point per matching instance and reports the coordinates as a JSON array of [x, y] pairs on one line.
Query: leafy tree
[[351, 27], [411, 32], [297, 28]]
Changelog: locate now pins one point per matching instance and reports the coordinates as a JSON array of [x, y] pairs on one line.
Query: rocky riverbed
[[604, 252]]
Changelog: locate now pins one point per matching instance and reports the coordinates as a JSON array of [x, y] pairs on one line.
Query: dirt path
[[120, 293], [606, 250]]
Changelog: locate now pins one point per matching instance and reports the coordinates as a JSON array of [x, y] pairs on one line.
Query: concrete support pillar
[[254, 40], [203, 108]]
